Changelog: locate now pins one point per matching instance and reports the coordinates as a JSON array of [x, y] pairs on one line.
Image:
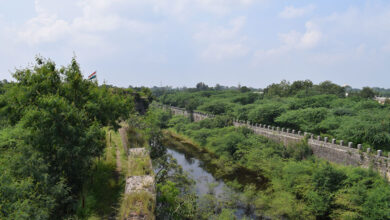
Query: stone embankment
[[331, 150], [140, 190]]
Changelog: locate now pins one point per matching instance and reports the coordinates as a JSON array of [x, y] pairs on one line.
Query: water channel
[[206, 182]]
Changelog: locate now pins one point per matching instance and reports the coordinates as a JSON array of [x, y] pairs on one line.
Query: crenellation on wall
[[331, 151]]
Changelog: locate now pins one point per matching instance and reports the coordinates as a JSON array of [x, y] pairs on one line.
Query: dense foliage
[[51, 124], [321, 109], [297, 185]]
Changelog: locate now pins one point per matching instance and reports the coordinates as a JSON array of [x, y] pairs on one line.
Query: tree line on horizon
[[326, 109]]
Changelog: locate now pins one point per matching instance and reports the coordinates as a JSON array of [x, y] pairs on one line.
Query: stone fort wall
[[342, 153]]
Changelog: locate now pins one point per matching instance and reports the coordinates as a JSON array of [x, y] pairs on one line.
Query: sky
[[182, 42]]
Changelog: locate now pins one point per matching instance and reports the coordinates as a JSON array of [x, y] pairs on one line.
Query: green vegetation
[[297, 185], [138, 203], [62, 158], [321, 109], [175, 199], [101, 193], [51, 122]]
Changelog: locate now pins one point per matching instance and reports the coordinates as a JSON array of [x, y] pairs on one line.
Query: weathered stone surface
[[138, 152], [140, 183]]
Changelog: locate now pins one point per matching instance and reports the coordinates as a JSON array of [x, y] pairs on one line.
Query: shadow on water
[[207, 160], [210, 177]]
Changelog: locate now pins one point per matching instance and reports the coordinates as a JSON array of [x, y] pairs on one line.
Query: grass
[[102, 191], [142, 202], [117, 141], [102, 196], [139, 203], [139, 166], [136, 139]]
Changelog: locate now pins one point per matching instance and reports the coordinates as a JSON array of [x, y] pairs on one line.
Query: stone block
[[326, 139], [318, 138], [379, 152], [140, 183], [138, 152], [341, 142], [359, 147], [350, 144], [368, 150], [333, 141]]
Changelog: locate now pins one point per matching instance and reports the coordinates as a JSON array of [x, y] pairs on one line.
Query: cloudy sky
[[182, 42]]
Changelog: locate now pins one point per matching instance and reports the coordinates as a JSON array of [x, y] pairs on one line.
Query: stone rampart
[[136, 184], [326, 149]]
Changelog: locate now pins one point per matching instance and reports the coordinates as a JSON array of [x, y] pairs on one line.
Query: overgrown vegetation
[[323, 109], [101, 193], [57, 160], [138, 203], [298, 186], [51, 122]]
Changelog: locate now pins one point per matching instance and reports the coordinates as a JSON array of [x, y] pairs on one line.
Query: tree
[[244, 89], [297, 86], [281, 89], [201, 86], [367, 93], [327, 87], [57, 117], [218, 87], [266, 113]]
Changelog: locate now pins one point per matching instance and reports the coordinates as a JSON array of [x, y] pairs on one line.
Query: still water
[[206, 182]]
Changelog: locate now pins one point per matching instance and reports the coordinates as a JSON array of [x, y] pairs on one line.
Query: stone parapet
[[329, 150]]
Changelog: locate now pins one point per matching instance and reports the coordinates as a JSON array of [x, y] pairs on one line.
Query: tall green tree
[[54, 119]]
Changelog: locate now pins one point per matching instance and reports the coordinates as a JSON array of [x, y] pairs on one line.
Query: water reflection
[[207, 184], [204, 180]]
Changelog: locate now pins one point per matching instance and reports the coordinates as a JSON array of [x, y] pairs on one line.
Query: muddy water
[[205, 182], [197, 163], [206, 161]]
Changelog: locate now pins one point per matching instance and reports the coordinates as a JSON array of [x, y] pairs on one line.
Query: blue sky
[[182, 42]]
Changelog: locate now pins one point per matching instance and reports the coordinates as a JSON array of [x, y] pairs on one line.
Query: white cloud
[[43, 28], [361, 49], [297, 40], [52, 24], [224, 51], [293, 12], [291, 38], [209, 33], [307, 40], [292, 41], [222, 42], [96, 16], [184, 8], [386, 47], [311, 37]]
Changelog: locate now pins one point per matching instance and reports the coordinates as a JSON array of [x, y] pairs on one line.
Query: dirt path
[[118, 160], [123, 133]]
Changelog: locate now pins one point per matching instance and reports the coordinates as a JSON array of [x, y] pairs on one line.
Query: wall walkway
[[342, 153]]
